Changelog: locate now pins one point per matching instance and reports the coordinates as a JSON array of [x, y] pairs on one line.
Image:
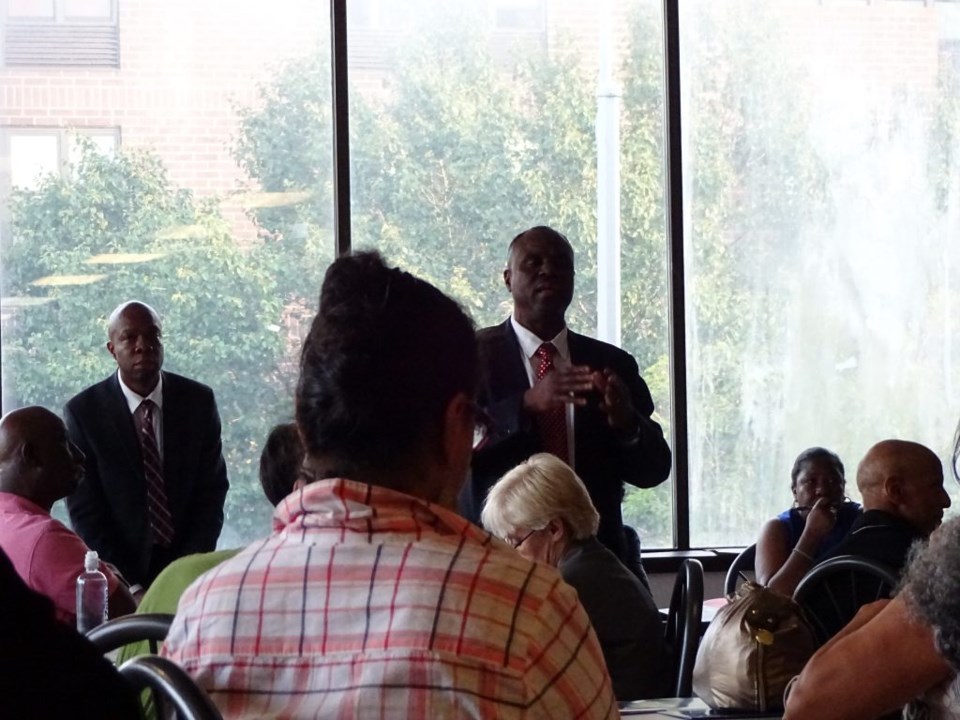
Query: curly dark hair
[[280, 462], [385, 354], [931, 587], [810, 455]]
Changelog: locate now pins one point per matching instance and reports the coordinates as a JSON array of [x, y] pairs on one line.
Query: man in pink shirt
[[38, 466]]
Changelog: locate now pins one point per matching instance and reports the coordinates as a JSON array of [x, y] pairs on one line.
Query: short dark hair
[[810, 455], [385, 354], [546, 230], [280, 462], [931, 588]]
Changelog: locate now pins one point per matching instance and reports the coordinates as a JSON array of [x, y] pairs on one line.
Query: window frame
[[60, 16]]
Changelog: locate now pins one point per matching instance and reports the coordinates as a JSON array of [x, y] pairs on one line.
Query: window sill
[[667, 561]]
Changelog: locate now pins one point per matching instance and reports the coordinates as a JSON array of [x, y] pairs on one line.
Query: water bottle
[[91, 594]]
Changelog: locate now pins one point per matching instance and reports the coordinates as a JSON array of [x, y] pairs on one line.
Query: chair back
[[683, 625], [832, 592], [116, 633], [172, 685], [742, 563]]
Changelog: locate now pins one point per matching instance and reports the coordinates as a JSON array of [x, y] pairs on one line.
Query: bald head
[[37, 460], [133, 305], [135, 342], [905, 479]]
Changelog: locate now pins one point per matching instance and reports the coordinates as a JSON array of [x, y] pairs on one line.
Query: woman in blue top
[[790, 544]]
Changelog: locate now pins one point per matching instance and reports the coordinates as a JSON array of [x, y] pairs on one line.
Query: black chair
[[683, 626], [121, 631], [172, 685], [742, 563], [832, 592]]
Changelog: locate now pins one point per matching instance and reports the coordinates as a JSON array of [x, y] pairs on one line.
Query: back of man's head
[[37, 460], [905, 479], [385, 355], [280, 462]]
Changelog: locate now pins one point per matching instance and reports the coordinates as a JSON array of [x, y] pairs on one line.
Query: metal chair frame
[[746, 560], [121, 631], [683, 625], [171, 685], [834, 590]]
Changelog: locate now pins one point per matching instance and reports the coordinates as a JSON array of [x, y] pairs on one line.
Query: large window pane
[[472, 121], [822, 192], [214, 207]]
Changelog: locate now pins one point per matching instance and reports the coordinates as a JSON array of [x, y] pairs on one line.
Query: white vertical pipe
[[608, 185]]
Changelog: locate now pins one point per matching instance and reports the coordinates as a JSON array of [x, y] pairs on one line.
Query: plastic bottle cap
[[91, 561]]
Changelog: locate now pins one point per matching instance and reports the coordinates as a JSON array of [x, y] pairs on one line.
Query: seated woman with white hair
[[543, 510]]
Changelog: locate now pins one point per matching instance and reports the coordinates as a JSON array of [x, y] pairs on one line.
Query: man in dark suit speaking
[[155, 477], [547, 389]]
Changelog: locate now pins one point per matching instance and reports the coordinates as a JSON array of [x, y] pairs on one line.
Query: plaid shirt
[[369, 603]]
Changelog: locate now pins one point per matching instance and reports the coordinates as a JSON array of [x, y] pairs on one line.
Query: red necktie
[[161, 523], [552, 423]]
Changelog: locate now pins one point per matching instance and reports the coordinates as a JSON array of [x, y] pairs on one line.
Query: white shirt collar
[[134, 400], [529, 342]]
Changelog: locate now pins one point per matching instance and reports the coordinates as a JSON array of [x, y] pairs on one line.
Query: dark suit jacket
[[624, 616], [602, 460], [109, 508]]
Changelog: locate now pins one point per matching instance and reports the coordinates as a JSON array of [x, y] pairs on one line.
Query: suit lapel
[[508, 371]]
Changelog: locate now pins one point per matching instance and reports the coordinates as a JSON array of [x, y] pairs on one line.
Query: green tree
[[216, 301]]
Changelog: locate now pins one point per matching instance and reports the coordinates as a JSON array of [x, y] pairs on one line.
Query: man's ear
[[893, 489], [506, 279], [557, 530], [110, 349], [457, 432], [29, 455]]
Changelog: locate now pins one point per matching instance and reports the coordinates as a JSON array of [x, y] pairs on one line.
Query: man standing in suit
[[155, 478], [547, 389]]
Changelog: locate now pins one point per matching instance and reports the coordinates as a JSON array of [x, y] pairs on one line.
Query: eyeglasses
[[515, 544], [482, 426]]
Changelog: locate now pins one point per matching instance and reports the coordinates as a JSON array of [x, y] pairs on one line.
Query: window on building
[[37, 152], [518, 14], [61, 10], [60, 32]]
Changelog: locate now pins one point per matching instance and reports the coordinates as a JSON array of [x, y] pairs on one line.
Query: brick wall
[[185, 64]]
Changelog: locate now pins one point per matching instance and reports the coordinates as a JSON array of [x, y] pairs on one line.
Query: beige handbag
[[754, 645]]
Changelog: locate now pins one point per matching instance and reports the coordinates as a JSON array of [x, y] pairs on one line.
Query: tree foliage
[[216, 300]]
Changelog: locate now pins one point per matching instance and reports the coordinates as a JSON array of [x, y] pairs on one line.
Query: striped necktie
[[161, 523], [553, 423]]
